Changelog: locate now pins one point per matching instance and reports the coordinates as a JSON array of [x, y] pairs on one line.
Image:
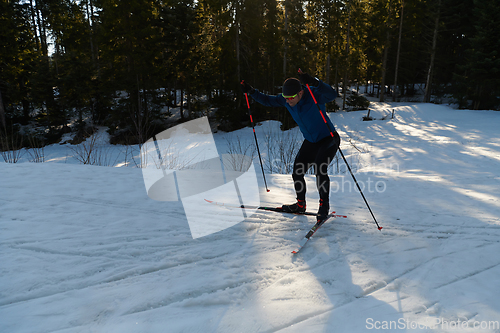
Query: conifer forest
[[72, 65]]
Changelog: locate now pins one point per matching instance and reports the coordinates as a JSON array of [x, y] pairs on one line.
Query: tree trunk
[[386, 54], [427, 96], [395, 96], [384, 67], [237, 30], [344, 83], [337, 74], [285, 40], [327, 71], [182, 104], [33, 19], [2, 114]]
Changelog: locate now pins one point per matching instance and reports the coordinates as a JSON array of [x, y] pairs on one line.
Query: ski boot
[[323, 211], [298, 208]]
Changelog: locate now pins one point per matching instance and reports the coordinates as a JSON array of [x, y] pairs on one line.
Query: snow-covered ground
[[83, 248]]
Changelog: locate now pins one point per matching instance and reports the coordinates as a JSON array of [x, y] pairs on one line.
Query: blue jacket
[[305, 113]]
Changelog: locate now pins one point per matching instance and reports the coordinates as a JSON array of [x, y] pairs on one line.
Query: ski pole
[[361, 192], [256, 143], [343, 157]]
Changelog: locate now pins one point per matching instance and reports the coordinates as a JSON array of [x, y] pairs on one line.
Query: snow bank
[[85, 250]]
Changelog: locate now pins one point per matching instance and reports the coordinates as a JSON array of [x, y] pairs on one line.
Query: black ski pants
[[318, 155]]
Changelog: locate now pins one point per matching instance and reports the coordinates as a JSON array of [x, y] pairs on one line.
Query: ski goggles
[[290, 97]]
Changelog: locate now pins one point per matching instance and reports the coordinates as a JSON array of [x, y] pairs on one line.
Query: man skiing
[[319, 147]]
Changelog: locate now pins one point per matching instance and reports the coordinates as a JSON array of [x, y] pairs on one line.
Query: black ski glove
[[246, 88], [308, 79]]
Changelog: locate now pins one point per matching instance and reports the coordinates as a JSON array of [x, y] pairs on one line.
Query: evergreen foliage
[[125, 63], [357, 102]]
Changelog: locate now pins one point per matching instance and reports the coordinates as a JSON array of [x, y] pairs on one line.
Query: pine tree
[[483, 67], [18, 53]]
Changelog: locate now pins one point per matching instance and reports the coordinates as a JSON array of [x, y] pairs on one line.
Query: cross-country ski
[[313, 230], [271, 209]]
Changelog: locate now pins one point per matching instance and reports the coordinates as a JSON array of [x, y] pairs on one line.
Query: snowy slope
[[84, 249]]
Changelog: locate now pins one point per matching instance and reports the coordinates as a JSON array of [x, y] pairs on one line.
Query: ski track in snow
[[84, 248]]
